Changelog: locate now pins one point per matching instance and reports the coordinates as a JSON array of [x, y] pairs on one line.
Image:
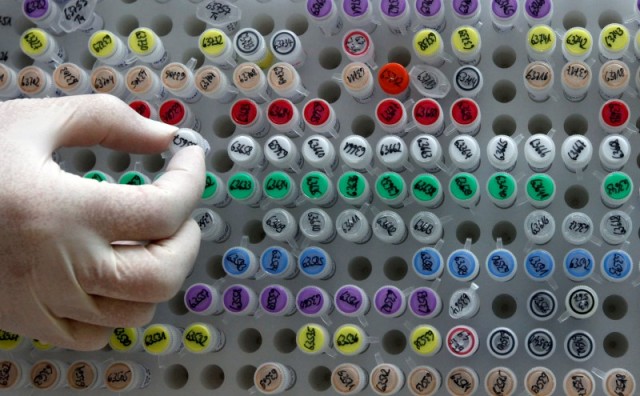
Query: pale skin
[[64, 281]]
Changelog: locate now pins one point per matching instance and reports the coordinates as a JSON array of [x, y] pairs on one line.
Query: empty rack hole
[[504, 56], [576, 197], [504, 125], [330, 58], [249, 340], [285, 340], [244, 376], [609, 16], [297, 23], [176, 376], [467, 229], [214, 267], [194, 27], [394, 342], [84, 160], [505, 230], [118, 161], [161, 25], [363, 125], [573, 19], [615, 307], [504, 306], [320, 378], [395, 268], [212, 377], [615, 344], [399, 55], [539, 123], [176, 304], [127, 24], [153, 163], [263, 23], [220, 161], [359, 268], [576, 124], [504, 91], [329, 91], [253, 229], [223, 127]]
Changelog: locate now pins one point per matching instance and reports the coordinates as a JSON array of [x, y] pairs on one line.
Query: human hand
[[63, 281]]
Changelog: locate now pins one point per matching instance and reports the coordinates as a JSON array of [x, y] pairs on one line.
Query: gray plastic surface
[[506, 109]]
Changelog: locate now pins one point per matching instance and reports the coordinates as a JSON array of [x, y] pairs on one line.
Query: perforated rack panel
[[506, 109]]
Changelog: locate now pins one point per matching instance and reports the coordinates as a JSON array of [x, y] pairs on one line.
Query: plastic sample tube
[[148, 47]]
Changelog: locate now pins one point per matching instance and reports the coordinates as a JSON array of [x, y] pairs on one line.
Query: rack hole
[[127, 24], [194, 27], [615, 307], [330, 58], [506, 231], [615, 344], [176, 376], [467, 229], [504, 306], [638, 123], [193, 53], [84, 160], [21, 60], [153, 163], [320, 378], [576, 197], [87, 60], [253, 229], [394, 342], [576, 124], [539, 123], [118, 161], [221, 162], [223, 127], [364, 126], [399, 55], [329, 91], [244, 376], [285, 340], [504, 91], [504, 125], [297, 23], [161, 25], [263, 23], [212, 377], [249, 340], [22, 24], [504, 56], [176, 304], [359, 268], [609, 16], [395, 268], [214, 267], [574, 19]]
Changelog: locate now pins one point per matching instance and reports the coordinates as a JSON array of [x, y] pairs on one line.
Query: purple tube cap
[[355, 8], [35, 8], [349, 299], [537, 8], [428, 8], [319, 8], [198, 298], [389, 300], [310, 300], [504, 8], [236, 298], [274, 299], [423, 301], [393, 8], [466, 8]]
